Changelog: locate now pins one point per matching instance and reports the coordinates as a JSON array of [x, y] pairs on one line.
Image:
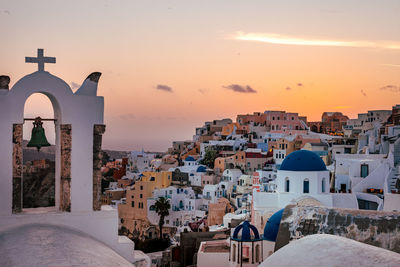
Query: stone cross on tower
[[40, 59]]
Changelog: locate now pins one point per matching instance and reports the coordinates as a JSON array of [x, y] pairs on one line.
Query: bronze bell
[[38, 138]]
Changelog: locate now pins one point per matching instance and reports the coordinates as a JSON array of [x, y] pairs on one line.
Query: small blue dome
[[272, 226], [190, 158], [246, 235], [303, 161], [201, 169]]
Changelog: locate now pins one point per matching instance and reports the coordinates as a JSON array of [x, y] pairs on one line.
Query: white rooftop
[[46, 245], [329, 250]]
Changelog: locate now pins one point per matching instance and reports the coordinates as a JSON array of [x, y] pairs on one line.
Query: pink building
[[286, 122], [276, 121]]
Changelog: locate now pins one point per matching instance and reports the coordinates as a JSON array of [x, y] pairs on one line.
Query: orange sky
[[341, 52]]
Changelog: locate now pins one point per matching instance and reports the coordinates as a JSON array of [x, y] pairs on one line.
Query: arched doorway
[[39, 167], [38, 103]]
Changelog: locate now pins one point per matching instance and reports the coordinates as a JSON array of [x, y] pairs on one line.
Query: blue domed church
[[302, 179], [248, 247], [302, 175]]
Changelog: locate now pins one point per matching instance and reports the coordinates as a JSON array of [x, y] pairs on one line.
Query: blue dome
[[272, 226], [201, 169], [190, 158], [303, 161], [246, 235]]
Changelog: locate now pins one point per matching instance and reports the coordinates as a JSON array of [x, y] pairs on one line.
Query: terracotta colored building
[[256, 118], [237, 127], [331, 122], [216, 211], [120, 172]]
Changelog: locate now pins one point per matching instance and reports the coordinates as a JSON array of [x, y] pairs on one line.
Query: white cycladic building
[[77, 115], [231, 175], [302, 178], [350, 169], [190, 166], [213, 253], [210, 194], [279, 156], [139, 161], [185, 206]]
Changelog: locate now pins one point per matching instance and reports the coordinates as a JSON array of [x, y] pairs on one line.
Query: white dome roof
[[47, 245], [329, 250]]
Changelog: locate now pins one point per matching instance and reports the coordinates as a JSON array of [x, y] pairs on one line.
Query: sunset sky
[[169, 66]]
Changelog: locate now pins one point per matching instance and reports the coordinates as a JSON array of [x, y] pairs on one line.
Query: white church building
[[302, 179], [79, 125]]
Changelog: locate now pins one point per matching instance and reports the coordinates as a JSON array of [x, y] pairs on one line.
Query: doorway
[[39, 166]]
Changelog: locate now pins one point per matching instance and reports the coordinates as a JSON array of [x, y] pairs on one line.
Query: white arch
[[81, 111]]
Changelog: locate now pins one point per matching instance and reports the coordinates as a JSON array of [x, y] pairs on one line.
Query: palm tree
[[161, 206]]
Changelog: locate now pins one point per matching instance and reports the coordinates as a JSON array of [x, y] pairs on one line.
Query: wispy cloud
[[274, 38], [7, 12], [74, 85], [392, 65], [289, 88], [240, 88], [363, 92], [391, 88], [163, 87], [202, 91]]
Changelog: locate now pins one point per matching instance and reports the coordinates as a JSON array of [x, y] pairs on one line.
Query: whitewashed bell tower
[[79, 125]]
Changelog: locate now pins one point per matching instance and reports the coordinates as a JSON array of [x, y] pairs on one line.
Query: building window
[[287, 185], [133, 204], [364, 170], [306, 186], [141, 187], [323, 185], [141, 195]]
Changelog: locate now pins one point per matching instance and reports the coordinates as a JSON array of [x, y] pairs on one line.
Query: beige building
[[216, 211], [133, 213], [110, 195]]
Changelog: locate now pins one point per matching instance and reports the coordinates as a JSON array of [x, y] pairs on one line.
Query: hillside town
[[263, 189], [207, 133], [241, 175]]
